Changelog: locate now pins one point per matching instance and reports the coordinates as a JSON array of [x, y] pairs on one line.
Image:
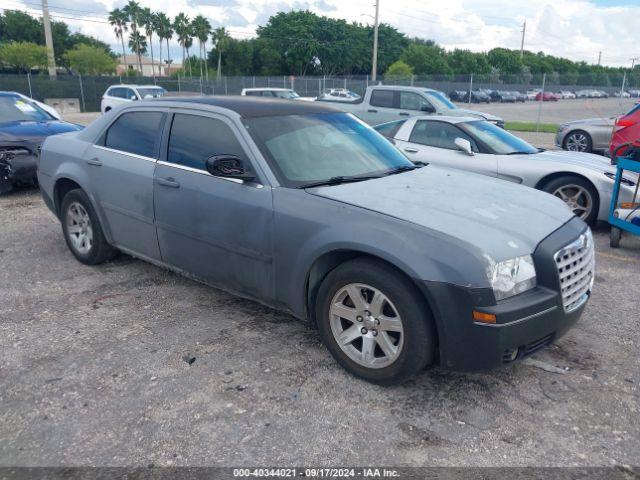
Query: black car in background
[[503, 96], [23, 127], [477, 96]]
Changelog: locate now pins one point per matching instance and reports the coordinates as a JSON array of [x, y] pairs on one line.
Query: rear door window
[[194, 138], [135, 132], [382, 98]]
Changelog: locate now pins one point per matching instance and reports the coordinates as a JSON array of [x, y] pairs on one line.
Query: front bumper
[[525, 323], [17, 169]]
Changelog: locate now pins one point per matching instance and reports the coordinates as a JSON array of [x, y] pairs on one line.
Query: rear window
[[135, 132], [390, 129]]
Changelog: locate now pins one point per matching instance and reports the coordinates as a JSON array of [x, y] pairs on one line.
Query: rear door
[[433, 141], [121, 166], [217, 229], [381, 108]]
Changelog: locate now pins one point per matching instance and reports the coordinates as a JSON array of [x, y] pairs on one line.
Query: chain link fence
[[88, 90]]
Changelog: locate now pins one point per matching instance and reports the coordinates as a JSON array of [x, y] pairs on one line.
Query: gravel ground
[[92, 372]]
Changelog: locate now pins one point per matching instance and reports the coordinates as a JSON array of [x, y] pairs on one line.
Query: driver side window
[[413, 101], [439, 135]]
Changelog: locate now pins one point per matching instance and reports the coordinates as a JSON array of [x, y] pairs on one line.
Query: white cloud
[[576, 29]]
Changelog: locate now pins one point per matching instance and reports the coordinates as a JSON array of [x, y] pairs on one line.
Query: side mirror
[[228, 166], [464, 145], [427, 108], [133, 97]]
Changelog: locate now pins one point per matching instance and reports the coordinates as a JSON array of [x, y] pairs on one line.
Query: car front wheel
[[374, 322], [82, 229], [578, 141], [581, 197]]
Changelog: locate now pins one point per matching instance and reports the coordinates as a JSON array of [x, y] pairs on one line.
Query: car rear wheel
[[581, 197], [374, 322], [82, 229], [578, 141]]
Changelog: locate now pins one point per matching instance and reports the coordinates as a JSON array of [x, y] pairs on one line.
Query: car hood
[[501, 219], [588, 160], [34, 131], [593, 121], [463, 112]]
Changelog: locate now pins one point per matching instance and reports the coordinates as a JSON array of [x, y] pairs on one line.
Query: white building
[[131, 62]]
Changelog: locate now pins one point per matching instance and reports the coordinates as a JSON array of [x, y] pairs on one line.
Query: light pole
[[48, 38], [374, 61]]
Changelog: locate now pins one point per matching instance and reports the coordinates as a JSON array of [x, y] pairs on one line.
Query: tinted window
[[439, 134], [413, 101], [128, 93], [117, 92], [194, 138], [253, 93], [135, 132], [382, 98]]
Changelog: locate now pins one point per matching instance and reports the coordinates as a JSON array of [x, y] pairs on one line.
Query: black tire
[[99, 250], [576, 136], [419, 333], [614, 237], [567, 180]]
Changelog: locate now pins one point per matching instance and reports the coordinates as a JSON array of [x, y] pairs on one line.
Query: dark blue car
[[23, 127]]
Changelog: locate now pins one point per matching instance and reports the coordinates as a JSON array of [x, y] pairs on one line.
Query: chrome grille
[[576, 265]]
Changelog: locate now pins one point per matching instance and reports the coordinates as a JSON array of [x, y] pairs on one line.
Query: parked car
[[589, 135], [119, 94], [634, 93], [621, 94], [583, 181], [546, 97], [531, 94], [479, 96], [626, 129], [47, 108], [23, 127], [520, 97], [308, 210], [282, 93], [457, 95], [503, 96], [602, 94], [339, 95], [565, 94], [584, 94], [384, 103]]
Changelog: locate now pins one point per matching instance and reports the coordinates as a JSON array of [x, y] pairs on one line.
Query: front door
[[214, 228], [121, 167]]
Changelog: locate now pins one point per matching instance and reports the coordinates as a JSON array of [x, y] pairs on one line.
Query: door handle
[[404, 114], [167, 182], [410, 150], [372, 110], [94, 161]]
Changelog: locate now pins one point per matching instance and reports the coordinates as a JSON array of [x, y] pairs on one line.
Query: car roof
[[9, 94], [267, 89], [252, 107], [405, 87], [448, 118], [130, 85]]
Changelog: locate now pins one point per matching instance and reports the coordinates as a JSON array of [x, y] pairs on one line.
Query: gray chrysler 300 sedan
[[309, 210]]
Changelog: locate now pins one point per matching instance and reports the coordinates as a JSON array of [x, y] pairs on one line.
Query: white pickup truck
[[386, 103]]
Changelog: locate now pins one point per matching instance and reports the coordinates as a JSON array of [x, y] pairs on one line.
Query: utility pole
[[633, 61], [48, 38], [524, 29], [599, 57], [374, 61]]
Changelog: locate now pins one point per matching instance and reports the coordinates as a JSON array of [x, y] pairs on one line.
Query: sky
[[575, 29]]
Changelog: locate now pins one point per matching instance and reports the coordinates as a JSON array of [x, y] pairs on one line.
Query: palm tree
[[132, 10], [118, 20], [164, 31], [138, 43], [182, 28], [187, 45], [147, 21], [201, 29], [221, 39]]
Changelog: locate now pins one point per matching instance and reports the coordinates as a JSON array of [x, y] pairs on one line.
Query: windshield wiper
[[339, 180], [405, 168], [520, 153]]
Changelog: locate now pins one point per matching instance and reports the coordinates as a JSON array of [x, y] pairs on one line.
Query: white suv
[[284, 93], [119, 94]]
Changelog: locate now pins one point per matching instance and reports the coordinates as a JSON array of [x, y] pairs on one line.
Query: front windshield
[[16, 109], [440, 100], [287, 94], [497, 139], [151, 92], [312, 148]]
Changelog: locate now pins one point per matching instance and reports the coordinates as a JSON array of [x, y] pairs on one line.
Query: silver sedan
[[584, 181], [590, 135]]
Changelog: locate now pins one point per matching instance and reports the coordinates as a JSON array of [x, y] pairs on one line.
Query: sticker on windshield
[[24, 107]]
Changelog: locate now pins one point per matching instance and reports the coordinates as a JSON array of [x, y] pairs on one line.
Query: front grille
[[576, 263]]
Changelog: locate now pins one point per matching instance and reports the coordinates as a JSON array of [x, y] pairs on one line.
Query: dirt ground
[[93, 372]]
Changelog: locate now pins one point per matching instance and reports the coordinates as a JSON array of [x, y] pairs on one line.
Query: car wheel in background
[[581, 197], [578, 141], [82, 230], [374, 322]]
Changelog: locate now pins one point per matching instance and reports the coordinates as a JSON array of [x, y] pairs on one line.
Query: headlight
[[510, 277], [623, 180]]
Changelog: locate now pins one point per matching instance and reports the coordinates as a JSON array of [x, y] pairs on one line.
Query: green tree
[[399, 69], [147, 21], [426, 59], [506, 61], [138, 44], [182, 27], [118, 20], [89, 60], [221, 39], [164, 30], [24, 56], [201, 29], [132, 10]]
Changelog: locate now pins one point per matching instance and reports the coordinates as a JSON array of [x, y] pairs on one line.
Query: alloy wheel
[[577, 198], [577, 142], [79, 228], [366, 325]]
